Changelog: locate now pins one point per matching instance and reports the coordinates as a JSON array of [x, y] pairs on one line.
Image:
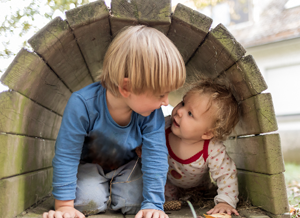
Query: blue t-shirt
[[86, 112]]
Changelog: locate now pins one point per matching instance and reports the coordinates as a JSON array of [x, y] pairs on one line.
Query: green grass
[[292, 178]]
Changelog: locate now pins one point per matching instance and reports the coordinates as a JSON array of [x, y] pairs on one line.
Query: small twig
[[192, 209]]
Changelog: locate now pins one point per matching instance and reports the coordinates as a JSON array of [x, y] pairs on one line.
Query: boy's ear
[[208, 135], [124, 88]]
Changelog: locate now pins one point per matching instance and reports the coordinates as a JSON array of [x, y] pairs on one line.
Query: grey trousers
[[120, 189]]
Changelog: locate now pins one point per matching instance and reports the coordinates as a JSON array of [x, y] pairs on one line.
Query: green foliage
[[63, 5], [292, 178], [205, 3], [21, 20]]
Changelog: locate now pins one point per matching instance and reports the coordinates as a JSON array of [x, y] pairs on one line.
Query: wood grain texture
[[246, 78], [261, 154], [20, 115], [252, 213], [56, 44], [20, 192], [184, 212], [257, 116], [41, 85], [21, 154], [219, 51], [188, 29], [90, 24], [38, 210], [156, 14], [267, 192]]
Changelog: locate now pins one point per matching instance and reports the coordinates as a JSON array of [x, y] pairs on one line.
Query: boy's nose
[[165, 101]]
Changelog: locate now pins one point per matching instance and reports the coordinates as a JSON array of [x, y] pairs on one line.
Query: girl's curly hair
[[227, 115]]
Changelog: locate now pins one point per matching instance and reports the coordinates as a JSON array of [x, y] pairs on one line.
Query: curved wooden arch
[[68, 55]]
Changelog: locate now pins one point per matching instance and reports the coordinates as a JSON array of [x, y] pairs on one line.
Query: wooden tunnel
[[68, 55]]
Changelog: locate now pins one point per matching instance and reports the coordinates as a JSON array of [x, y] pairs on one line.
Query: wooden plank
[[156, 14], [267, 192], [108, 214], [188, 29], [123, 13], [260, 154], [20, 115], [246, 78], [56, 44], [284, 215], [257, 116], [41, 85], [48, 204], [251, 213], [184, 212], [38, 210], [20, 154], [219, 51], [20, 192], [90, 25]]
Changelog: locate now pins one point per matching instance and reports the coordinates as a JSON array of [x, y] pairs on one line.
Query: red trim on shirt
[[205, 149], [192, 159]]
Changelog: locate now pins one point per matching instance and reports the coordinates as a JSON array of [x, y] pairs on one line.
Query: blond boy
[[140, 68]]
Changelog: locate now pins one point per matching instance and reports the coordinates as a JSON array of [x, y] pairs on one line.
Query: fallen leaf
[[217, 215], [292, 209]]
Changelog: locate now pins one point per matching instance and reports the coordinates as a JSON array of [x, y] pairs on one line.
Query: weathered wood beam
[[156, 14], [246, 78], [20, 115], [20, 192], [252, 213], [267, 192], [219, 51], [257, 116], [41, 85], [261, 154], [56, 44], [38, 210], [284, 215], [20, 154], [188, 29], [90, 24]]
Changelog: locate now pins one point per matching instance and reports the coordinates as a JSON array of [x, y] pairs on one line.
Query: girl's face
[[192, 119]]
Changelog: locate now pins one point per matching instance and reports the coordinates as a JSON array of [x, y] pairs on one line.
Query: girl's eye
[[190, 114], [182, 103], [162, 96]]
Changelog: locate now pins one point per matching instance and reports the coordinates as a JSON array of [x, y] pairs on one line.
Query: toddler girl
[[194, 135]]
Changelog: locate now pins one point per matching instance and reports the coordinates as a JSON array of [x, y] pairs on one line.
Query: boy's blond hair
[[147, 58], [227, 113]]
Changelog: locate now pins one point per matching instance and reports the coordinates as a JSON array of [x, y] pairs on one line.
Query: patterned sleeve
[[223, 171]]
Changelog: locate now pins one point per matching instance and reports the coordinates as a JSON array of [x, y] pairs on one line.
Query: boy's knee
[[127, 206], [131, 210], [90, 207], [91, 198]]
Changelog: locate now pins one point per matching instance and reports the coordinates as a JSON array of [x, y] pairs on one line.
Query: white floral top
[[193, 172]]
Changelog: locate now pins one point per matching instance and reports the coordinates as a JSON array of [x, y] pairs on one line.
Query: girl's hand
[[223, 208], [63, 212]]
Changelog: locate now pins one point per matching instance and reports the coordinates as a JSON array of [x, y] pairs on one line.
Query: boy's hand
[[63, 212], [151, 213], [223, 208]]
